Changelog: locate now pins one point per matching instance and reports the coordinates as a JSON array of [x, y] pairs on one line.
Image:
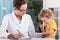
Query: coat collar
[[16, 20]]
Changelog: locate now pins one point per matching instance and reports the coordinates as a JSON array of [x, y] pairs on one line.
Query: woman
[[18, 24]]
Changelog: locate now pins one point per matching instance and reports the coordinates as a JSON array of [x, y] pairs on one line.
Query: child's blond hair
[[46, 13]]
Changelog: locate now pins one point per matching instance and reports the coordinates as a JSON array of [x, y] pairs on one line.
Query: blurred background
[[5, 8]]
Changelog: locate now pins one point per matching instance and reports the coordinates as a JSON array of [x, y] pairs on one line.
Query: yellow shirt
[[49, 26]]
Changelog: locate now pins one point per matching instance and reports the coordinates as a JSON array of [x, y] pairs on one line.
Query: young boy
[[49, 27]]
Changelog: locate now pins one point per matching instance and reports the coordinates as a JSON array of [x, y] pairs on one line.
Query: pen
[[19, 32]]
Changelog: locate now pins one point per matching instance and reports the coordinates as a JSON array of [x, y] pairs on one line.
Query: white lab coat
[[11, 23]]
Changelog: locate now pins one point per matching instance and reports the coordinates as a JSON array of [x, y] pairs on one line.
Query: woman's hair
[[46, 13], [18, 3]]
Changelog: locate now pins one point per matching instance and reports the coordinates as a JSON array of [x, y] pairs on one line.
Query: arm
[[32, 32], [4, 33], [48, 33], [31, 28], [3, 27], [53, 28]]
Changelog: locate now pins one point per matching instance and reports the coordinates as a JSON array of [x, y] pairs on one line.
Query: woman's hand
[[10, 36], [18, 35]]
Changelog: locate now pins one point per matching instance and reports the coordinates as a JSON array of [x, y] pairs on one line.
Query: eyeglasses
[[21, 10]]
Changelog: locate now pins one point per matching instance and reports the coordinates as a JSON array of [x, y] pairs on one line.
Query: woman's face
[[21, 11]]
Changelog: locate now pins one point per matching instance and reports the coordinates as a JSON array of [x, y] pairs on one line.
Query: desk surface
[[28, 39]]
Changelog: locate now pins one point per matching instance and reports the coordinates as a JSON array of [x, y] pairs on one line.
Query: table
[[29, 39]]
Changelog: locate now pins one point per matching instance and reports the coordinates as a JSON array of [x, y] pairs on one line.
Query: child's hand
[[41, 26], [44, 35]]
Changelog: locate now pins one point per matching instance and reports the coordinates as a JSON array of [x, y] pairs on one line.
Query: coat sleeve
[[4, 25], [31, 28], [32, 32]]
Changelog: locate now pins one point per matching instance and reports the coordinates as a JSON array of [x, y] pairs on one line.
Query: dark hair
[[18, 3]]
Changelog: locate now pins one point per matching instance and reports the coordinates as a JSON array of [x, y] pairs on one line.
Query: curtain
[[6, 7]]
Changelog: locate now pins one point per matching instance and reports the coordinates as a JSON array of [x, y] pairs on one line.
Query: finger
[[18, 35], [21, 34]]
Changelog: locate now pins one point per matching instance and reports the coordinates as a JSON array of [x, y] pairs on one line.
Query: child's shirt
[[49, 26]]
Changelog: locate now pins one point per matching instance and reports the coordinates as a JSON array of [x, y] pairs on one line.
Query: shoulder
[[6, 16], [27, 16], [52, 23]]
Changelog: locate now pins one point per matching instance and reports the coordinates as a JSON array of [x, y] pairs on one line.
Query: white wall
[[59, 22], [51, 3]]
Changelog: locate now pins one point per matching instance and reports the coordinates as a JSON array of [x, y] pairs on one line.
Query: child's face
[[45, 19]]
